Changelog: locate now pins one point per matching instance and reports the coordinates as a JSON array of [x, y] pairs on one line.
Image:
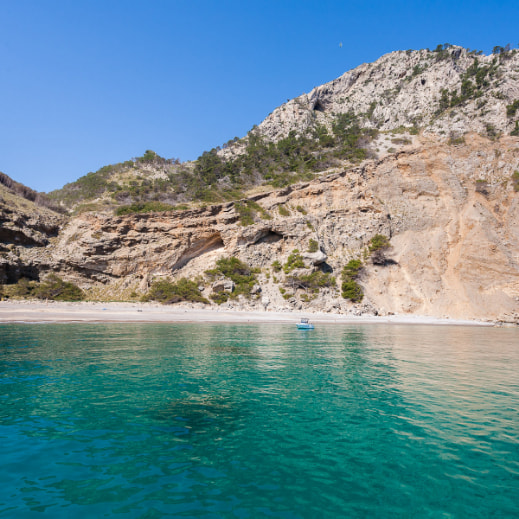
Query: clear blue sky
[[89, 83]]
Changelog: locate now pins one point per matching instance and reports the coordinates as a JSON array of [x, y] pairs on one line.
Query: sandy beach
[[61, 312]]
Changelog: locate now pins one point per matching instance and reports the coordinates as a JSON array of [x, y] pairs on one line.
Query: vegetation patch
[[313, 246], [474, 82], [515, 180], [294, 261], [276, 266], [146, 207], [511, 109], [311, 282], [248, 210], [350, 289], [283, 210], [378, 246], [53, 288], [456, 140], [240, 273], [166, 292], [27, 193], [402, 141]]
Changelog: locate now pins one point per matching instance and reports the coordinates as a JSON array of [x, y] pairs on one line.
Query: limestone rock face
[[442, 189], [454, 250], [404, 88], [23, 224]]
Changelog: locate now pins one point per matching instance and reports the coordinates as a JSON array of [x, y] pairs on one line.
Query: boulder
[[223, 285], [315, 258]]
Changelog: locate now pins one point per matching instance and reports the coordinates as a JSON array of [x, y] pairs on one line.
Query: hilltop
[[367, 113]]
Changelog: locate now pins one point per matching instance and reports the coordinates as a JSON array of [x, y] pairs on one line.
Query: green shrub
[[352, 269], [294, 261], [492, 132], [350, 138], [166, 292], [58, 290], [313, 246], [455, 141], [301, 209], [283, 211], [350, 289], [401, 141], [150, 157], [219, 297], [378, 242], [245, 214], [511, 109], [377, 247], [239, 272], [247, 210], [144, 207], [312, 282], [418, 69], [276, 265], [53, 288], [23, 288]]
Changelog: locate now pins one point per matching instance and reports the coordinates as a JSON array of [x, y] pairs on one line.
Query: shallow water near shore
[[253, 421]]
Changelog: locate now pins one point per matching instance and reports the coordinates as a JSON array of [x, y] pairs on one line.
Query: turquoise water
[[258, 421]]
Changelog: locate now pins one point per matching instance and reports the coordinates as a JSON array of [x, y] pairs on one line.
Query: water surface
[[258, 421]]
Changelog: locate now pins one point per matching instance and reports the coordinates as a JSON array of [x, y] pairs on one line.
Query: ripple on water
[[258, 421]]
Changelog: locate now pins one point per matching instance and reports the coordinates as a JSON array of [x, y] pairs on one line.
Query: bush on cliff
[[240, 273], [378, 245], [58, 290], [294, 261], [145, 207], [166, 292], [312, 282], [350, 288], [248, 209]]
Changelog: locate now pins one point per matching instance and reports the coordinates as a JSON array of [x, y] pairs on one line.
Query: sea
[[258, 421]]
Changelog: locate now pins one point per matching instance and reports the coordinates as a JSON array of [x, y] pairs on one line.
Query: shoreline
[[115, 312]]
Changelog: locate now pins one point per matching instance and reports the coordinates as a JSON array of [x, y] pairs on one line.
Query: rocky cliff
[[451, 213], [24, 225], [441, 182]]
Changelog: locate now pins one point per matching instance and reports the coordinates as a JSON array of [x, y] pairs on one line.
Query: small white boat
[[305, 324]]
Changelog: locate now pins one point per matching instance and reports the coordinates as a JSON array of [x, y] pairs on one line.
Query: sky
[[85, 83]]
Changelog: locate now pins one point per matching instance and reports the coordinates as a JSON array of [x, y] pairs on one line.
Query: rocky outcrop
[[23, 225]]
